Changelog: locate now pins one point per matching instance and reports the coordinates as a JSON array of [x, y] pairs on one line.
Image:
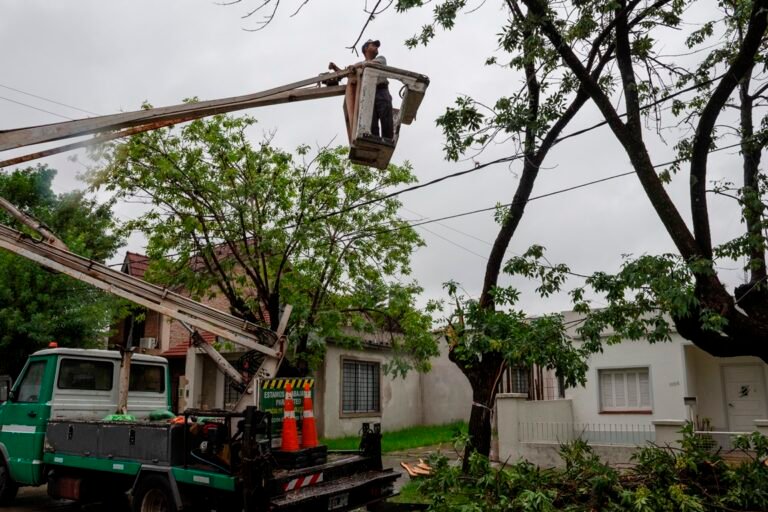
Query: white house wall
[[442, 395], [400, 397], [445, 392], [707, 385], [667, 377]]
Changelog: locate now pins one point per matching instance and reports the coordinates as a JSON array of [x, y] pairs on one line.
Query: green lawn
[[409, 493], [405, 439]]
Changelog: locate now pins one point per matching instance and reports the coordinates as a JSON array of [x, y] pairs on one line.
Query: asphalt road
[[35, 499]]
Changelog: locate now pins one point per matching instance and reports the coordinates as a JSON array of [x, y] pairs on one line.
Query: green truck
[[52, 432]]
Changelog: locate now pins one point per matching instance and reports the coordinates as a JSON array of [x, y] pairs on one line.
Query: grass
[[405, 439], [409, 493]]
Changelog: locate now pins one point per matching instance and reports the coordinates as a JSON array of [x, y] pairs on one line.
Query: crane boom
[[153, 297], [363, 79], [10, 139]]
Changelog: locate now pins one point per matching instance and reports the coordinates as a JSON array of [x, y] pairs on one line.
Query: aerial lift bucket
[[366, 148]]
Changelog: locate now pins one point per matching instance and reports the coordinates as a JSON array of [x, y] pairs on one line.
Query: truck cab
[[70, 384]]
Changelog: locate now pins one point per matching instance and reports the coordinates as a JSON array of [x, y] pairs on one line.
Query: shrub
[[691, 478]]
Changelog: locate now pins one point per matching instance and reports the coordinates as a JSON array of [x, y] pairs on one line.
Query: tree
[[610, 53], [532, 121], [686, 285], [264, 228], [40, 306]]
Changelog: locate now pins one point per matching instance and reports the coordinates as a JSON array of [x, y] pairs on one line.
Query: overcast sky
[[105, 57]]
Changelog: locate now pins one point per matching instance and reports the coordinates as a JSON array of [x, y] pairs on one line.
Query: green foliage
[[473, 330], [690, 478], [40, 306], [261, 227]]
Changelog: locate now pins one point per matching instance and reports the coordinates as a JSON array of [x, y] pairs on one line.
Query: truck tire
[[8, 488], [153, 494]]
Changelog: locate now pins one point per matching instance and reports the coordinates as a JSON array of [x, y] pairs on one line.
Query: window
[[360, 387], [29, 387], [86, 375], [625, 390], [231, 393], [147, 378]]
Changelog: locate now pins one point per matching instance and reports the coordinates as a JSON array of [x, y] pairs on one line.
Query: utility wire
[[534, 198], [48, 100], [406, 225], [37, 108]]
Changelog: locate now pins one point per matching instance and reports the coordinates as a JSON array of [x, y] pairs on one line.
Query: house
[[632, 389], [351, 386]]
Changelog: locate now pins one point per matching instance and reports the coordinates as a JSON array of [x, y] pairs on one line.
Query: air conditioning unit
[[148, 343]]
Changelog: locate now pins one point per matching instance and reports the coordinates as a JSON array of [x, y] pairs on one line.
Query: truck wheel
[[153, 494], [8, 487]]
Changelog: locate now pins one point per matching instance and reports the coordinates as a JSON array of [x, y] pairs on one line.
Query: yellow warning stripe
[[296, 384]]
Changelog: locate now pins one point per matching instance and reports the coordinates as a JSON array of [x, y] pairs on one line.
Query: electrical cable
[[534, 198], [47, 99], [37, 108]]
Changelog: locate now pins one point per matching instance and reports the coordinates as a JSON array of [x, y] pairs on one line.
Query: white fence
[[594, 433]]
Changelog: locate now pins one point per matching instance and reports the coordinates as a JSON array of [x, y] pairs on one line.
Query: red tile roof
[[180, 349]]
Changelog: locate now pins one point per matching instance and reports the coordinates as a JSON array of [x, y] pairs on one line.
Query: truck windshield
[[29, 387]]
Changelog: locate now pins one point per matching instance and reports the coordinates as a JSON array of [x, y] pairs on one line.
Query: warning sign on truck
[[272, 399]]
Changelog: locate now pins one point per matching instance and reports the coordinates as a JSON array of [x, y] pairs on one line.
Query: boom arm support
[[152, 297]]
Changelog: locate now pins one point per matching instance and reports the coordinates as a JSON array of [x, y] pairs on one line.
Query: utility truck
[[55, 424], [52, 433]]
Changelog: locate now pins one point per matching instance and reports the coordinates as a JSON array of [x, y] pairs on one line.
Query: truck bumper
[[338, 495]]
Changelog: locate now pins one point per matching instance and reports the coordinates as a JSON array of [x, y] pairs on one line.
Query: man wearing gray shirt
[[382, 105]]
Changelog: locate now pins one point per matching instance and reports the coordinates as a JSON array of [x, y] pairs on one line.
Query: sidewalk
[[393, 459]]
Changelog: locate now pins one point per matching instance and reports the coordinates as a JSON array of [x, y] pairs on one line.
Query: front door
[[23, 419], [745, 398]]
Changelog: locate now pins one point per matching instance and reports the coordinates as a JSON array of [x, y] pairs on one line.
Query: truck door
[[23, 420]]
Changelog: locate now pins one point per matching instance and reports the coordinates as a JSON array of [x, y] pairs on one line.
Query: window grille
[[360, 387], [231, 394]]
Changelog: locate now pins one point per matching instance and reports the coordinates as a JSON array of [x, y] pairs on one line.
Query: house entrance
[[745, 398]]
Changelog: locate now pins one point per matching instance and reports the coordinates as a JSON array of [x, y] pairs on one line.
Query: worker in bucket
[[382, 105]]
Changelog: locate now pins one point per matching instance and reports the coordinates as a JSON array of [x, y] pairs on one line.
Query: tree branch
[[742, 64]]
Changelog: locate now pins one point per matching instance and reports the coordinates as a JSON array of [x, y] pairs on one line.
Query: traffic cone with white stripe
[[308, 427], [290, 436]]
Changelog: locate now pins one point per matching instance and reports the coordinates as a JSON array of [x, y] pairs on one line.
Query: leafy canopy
[[265, 228], [40, 306]]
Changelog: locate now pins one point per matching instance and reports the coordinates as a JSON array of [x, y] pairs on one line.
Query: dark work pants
[[382, 111]]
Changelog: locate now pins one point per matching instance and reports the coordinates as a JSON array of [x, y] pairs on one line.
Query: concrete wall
[[706, 384], [547, 455], [446, 395], [205, 383], [400, 397], [666, 363], [513, 408], [440, 396]]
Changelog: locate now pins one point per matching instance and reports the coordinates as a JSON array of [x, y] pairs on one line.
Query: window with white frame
[[625, 389], [360, 386]]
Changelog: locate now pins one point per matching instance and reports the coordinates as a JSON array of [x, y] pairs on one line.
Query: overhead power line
[[48, 100], [534, 198], [37, 108]]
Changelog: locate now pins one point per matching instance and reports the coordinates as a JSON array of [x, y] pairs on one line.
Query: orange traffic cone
[[290, 437], [308, 427]]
